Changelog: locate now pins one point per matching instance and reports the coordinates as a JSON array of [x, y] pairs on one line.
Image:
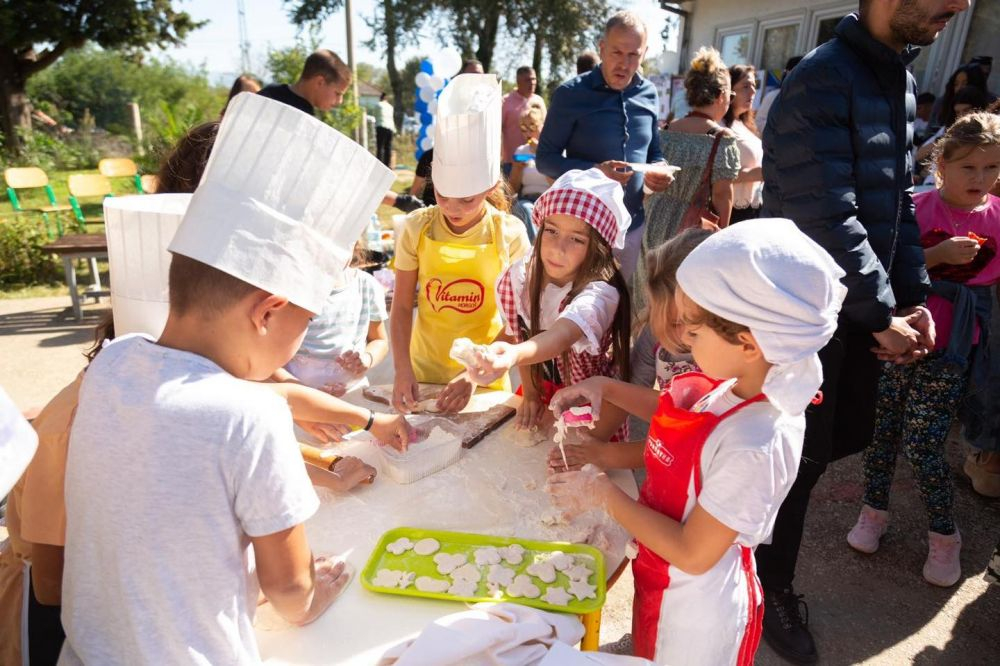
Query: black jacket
[[837, 162]]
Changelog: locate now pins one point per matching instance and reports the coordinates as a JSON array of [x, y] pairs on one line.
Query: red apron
[[672, 455]]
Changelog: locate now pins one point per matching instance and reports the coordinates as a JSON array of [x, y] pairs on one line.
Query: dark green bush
[[22, 261]]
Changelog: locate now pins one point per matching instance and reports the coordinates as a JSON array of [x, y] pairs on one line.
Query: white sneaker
[[943, 567], [866, 533]]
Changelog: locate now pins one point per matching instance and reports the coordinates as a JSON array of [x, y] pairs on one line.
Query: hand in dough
[[491, 363], [578, 492]]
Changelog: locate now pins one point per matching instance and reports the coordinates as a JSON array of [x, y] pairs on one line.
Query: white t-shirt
[[593, 309], [173, 464], [748, 194], [533, 181], [748, 464]]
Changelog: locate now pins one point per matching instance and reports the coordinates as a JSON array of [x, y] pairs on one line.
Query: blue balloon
[[426, 118], [426, 66]]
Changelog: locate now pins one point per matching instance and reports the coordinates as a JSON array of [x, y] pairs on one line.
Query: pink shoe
[[942, 567], [871, 525]]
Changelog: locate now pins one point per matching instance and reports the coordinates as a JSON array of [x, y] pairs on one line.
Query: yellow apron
[[456, 298]]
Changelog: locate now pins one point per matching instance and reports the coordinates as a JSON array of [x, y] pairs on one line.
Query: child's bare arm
[[606, 455], [639, 401], [546, 345], [404, 392], [378, 343], [299, 587]]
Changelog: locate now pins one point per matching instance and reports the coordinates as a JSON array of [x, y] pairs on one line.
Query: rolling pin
[[323, 458]]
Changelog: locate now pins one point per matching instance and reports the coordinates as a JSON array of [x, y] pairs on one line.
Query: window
[[734, 42], [825, 31], [778, 45]]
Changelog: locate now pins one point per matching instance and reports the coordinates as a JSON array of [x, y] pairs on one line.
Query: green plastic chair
[[31, 178]]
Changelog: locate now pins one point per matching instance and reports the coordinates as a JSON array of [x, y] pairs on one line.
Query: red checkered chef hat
[[590, 196]]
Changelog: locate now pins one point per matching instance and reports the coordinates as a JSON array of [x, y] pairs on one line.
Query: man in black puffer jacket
[[837, 162]]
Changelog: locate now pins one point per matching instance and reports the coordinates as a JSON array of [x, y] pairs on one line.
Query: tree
[[475, 25], [395, 24], [57, 27], [558, 29]]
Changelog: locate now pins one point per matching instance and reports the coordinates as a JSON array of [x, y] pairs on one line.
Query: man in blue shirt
[[608, 118]]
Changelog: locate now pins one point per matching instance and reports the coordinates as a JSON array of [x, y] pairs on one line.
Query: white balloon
[[427, 95], [446, 62], [422, 79], [427, 143], [435, 82], [432, 106]]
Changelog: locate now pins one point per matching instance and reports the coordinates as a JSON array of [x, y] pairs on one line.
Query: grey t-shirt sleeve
[[643, 359], [272, 491]]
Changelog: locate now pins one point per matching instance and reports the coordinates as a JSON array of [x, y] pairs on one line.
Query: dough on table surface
[[557, 596], [426, 546], [581, 589], [446, 562], [523, 587], [399, 546], [428, 584], [543, 571]]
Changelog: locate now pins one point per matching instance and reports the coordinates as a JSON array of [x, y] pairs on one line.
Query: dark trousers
[[383, 145], [45, 632], [841, 425]]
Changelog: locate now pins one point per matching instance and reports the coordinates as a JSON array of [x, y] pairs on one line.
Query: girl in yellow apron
[[449, 256]]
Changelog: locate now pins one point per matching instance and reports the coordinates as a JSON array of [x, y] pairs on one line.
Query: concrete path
[[862, 609]]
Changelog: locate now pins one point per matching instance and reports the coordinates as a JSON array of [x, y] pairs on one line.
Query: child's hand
[[355, 363], [456, 395], [578, 492], [490, 366], [391, 429], [331, 579], [346, 474], [325, 432], [530, 413], [577, 455], [336, 389], [957, 250], [405, 391], [590, 390]]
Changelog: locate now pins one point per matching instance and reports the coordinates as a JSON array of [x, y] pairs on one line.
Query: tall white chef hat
[[467, 136], [772, 278], [18, 442], [139, 229], [282, 202]]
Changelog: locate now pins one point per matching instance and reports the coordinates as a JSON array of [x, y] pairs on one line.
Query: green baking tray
[[467, 543]]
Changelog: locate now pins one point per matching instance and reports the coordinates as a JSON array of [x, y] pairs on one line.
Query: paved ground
[[863, 609]]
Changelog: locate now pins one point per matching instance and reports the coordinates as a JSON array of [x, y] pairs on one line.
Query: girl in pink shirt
[[959, 227]]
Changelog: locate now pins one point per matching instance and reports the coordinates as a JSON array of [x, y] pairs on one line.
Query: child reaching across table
[[347, 339], [756, 302], [566, 306], [454, 251], [917, 402], [178, 466]]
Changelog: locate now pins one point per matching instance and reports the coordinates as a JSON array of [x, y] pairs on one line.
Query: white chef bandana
[[467, 136], [282, 202], [772, 278], [18, 442]]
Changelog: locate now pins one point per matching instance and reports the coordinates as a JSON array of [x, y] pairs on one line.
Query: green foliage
[[48, 151], [22, 261]]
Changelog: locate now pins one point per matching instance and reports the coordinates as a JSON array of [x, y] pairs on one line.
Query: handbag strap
[[706, 178]]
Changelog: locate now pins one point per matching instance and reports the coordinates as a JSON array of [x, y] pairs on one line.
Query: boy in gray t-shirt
[[177, 466]]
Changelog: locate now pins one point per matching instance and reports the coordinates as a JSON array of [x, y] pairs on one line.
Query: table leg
[[95, 274], [70, 271], [591, 631]]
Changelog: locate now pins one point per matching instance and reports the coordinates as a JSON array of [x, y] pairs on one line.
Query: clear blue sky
[[217, 45]]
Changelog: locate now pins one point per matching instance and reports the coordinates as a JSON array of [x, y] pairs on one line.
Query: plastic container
[[439, 448], [139, 229]]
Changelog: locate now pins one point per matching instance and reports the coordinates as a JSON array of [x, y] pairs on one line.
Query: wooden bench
[[80, 246]]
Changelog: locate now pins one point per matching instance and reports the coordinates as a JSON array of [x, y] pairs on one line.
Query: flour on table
[[526, 438], [500, 575], [543, 571], [557, 596], [523, 587], [581, 589], [426, 546], [428, 584], [488, 555], [551, 518], [399, 546], [446, 563], [469, 573]]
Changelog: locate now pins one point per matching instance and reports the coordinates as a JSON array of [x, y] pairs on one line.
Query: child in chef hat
[[449, 256], [178, 466], [756, 301], [566, 306]]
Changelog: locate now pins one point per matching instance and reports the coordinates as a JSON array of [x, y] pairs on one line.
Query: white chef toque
[[467, 136], [282, 202], [770, 277], [139, 229]]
